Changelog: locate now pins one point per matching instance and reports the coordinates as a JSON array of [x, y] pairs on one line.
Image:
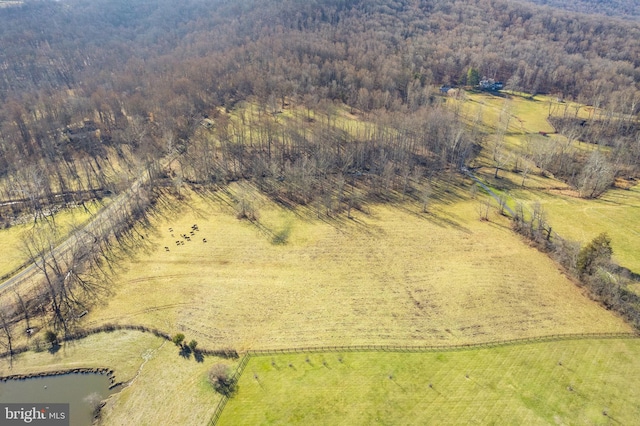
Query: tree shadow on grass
[[185, 352], [54, 348]]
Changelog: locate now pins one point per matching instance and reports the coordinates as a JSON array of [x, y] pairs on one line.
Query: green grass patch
[[564, 382], [524, 115], [616, 213]]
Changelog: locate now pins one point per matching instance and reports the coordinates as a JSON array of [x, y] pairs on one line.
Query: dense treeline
[[629, 9], [49, 45]]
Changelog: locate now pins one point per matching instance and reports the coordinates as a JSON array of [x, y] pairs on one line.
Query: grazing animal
[[204, 240], [166, 248]]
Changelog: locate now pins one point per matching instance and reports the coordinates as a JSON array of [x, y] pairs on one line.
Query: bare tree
[[596, 176], [500, 155], [64, 285], [483, 208], [6, 326], [39, 246], [23, 307], [525, 169], [426, 197]]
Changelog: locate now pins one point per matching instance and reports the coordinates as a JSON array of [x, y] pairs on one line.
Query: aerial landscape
[[320, 211]]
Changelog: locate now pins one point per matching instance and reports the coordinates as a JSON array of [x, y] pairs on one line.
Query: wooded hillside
[[111, 85], [628, 9]]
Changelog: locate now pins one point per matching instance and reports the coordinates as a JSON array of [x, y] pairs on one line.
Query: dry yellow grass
[[169, 390], [157, 374], [11, 247], [391, 276], [394, 276], [524, 115], [574, 218], [123, 354]]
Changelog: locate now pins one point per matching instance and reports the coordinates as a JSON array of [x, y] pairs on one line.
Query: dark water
[[80, 391]]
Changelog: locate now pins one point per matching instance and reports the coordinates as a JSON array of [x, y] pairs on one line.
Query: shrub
[[221, 379], [37, 345], [51, 337], [192, 345], [281, 237], [177, 339]]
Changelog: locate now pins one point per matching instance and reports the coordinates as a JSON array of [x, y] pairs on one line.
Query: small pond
[[81, 391]]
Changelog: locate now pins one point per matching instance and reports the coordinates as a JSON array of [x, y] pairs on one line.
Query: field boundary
[[63, 372], [408, 349], [109, 328]]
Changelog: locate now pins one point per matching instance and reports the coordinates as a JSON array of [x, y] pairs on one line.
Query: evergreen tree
[[594, 255], [473, 77]]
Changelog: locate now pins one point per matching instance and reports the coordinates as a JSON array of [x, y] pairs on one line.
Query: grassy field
[[11, 239], [616, 213], [566, 382], [525, 115], [390, 276], [156, 371], [578, 219]]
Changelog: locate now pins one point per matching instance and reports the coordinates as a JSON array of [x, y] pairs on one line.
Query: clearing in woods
[[574, 218], [616, 213]]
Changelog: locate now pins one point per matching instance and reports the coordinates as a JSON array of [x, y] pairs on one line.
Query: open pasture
[[563, 382], [390, 276], [574, 218], [527, 126]]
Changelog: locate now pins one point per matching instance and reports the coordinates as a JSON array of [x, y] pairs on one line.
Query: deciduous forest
[[93, 91]]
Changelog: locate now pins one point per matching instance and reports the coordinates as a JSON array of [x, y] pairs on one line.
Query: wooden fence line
[[223, 402]]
